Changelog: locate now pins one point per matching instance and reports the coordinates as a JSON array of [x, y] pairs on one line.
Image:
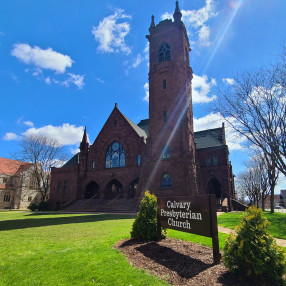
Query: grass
[[77, 249], [62, 249], [277, 222]]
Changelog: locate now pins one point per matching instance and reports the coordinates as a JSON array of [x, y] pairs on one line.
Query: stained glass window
[[115, 156], [166, 180], [164, 53]]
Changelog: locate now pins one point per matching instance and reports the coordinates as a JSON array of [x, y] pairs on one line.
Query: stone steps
[[101, 205]]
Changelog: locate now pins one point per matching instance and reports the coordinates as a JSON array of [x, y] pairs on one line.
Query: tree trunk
[[272, 200]]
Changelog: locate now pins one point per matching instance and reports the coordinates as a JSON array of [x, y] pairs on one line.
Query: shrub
[[145, 224], [252, 251], [43, 206], [32, 207]]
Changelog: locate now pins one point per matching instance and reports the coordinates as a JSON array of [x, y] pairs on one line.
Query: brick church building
[[162, 154]]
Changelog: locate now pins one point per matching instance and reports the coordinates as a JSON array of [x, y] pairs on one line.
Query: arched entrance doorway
[[91, 190], [214, 187], [113, 189], [133, 188]]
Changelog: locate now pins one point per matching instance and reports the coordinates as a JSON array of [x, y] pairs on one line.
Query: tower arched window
[[215, 160], [115, 156], [164, 53], [208, 160], [164, 84], [166, 153], [166, 180]]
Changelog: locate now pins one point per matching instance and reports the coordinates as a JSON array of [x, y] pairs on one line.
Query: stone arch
[[214, 187], [133, 188], [113, 189], [91, 190]]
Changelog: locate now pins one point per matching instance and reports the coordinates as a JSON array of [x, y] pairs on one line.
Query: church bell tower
[[170, 146]]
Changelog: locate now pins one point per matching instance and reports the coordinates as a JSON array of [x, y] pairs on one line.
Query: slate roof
[[203, 139], [144, 124], [283, 194], [138, 130], [209, 138], [72, 162]]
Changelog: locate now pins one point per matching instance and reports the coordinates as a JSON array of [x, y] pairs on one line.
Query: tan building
[[17, 186]]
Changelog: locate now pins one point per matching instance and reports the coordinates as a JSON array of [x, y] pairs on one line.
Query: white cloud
[[45, 59], [48, 80], [100, 80], [146, 88], [11, 136], [75, 79], [197, 19], [201, 88], [110, 33], [215, 120], [29, 123], [229, 81], [137, 61], [66, 134], [204, 35]]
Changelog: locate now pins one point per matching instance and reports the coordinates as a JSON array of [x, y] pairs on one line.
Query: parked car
[[279, 207]]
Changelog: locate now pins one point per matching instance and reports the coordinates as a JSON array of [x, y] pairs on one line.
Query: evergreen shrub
[[145, 224], [32, 207], [252, 252]]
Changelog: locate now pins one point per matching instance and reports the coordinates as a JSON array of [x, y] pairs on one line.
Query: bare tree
[[44, 153], [255, 106], [249, 183]]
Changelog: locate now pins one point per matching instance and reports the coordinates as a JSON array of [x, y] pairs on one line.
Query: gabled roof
[[137, 129], [283, 194], [209, 138], [72, 162], [144, 124], [12, 167], [204, 139]]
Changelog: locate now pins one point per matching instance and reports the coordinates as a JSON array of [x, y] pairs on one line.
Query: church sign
[[193, 214]]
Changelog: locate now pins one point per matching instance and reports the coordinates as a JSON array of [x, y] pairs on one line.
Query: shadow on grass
[[173, 260], [37, 221]]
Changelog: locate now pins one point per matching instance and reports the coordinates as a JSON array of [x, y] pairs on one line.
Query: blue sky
[[64, 63]]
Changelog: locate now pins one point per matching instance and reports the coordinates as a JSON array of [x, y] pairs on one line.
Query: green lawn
[[277, 222], [71, 249], [59, 249]]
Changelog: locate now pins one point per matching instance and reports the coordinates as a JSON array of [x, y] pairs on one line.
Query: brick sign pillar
[[194, 214]]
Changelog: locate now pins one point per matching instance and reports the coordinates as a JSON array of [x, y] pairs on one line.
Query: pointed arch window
[[164, 53], [115, 156], [166, 180], [215, 160]]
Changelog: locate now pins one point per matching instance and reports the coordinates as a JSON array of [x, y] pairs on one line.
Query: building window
[[165, 116], [29, 199], [166, 153], [208, 160], [164, 53], [59, 186], [138, 160], [7, 198], [93, 165], [115, 122], [115, 156], [166, 180], [164, 84], [215, 160]]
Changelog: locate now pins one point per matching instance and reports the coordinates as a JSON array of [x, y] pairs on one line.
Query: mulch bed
[[177, 262]]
